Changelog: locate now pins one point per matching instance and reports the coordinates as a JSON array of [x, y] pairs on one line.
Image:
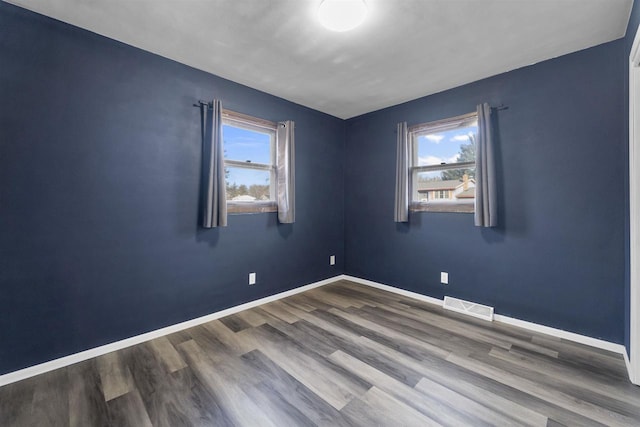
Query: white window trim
[[416, 131], [244, 121]]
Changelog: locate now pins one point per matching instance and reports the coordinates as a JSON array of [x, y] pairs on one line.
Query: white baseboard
[[395, 290], [31, 371], [51, 365], [535, 327], [629, 368], [559, 333]]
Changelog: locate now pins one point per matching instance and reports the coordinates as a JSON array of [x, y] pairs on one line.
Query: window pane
[[449, 190], [456, 145], [247, 185], [246, 145]]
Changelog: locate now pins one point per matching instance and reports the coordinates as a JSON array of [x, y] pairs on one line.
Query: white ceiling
[[406, 49]]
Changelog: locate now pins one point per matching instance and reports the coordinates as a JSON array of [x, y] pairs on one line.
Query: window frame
[[244, 121], [414, 132]]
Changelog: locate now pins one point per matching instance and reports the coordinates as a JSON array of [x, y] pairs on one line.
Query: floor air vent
[[471, 308]]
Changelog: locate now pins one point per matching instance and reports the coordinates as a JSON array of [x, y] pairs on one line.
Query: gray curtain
[[486, 212], [286, 174], [214, 198], [403, 163]]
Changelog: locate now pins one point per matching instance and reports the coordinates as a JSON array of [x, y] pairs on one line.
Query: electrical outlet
[[332, 260], [444, 277], [252, 278]]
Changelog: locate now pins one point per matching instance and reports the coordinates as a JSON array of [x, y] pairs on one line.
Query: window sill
[[251, 207], [450, 207]]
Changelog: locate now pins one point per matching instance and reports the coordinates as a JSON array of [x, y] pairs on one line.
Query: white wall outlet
[[444, 277], [252, 278], [332, 260]]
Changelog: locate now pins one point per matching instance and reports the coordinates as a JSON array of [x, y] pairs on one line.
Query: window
[[249, 162], [442, 176]]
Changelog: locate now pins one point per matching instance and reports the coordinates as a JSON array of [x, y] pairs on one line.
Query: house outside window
[[442, 175], [250, 164]]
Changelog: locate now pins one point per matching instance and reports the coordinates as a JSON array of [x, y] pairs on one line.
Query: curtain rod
[[201, 102], [242, 118]]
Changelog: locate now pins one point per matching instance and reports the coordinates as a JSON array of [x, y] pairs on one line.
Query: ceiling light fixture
[[342, 15]]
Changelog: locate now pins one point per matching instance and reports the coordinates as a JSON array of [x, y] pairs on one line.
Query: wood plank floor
[[340, 355]]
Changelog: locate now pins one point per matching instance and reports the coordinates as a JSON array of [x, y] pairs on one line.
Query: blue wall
[[557, 257], [99, 174], [100, 168]]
